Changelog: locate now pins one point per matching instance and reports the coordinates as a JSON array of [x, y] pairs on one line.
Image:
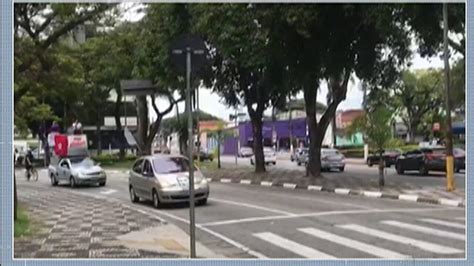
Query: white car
[[269, 156], [77, 171]]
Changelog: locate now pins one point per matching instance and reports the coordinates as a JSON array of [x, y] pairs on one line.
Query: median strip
[[225, 180], [289, 185], [372, 194], [245, 181], [266, 184], [342, 191], [318, 188], [408, 197]]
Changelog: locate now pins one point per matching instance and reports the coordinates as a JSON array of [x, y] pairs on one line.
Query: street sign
[[197, 48], [189, 54]]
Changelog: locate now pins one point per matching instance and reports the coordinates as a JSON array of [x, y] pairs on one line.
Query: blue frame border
[[6, 167]]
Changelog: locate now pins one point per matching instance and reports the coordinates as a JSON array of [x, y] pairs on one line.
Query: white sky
[[211, 103]]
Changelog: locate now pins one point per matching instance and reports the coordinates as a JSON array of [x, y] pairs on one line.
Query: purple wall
[[282, 129]]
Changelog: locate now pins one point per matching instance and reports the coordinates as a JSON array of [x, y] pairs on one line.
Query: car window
[[64, 164], [84, 162], [147, 168], [168, 165], [330, 152], [137, 167]]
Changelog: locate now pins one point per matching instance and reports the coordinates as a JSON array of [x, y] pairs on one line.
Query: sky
[[212, 103]]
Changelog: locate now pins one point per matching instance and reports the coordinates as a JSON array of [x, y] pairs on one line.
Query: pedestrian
[[77, 127], [15, 156], [28, 163]]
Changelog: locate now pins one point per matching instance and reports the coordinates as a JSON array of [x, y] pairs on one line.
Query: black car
[[203, 156], [389, 157], [424, 160]]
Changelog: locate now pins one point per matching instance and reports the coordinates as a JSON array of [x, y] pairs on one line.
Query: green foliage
[[22, 226], [113, 159], [375, 126]]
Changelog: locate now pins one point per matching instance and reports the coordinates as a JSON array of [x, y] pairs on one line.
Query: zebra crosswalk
[[362, 238]]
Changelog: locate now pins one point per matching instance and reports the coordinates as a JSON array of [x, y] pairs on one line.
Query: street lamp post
[[449, 133]]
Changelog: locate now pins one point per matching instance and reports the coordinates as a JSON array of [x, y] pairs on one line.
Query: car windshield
[[84, 162], [171, 165]]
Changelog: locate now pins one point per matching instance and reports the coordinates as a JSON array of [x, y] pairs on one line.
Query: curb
[[346, 191]]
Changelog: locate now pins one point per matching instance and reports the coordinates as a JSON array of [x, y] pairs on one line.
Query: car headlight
[[81, 175], [166, 184]]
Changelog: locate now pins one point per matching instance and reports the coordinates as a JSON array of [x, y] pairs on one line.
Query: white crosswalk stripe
[[444, 223], [431, 247], [426, 230], [292, 246], [366, 248]]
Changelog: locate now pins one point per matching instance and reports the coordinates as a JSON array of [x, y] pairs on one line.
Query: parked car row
[[269, 156], [330, 158], [424, 160]]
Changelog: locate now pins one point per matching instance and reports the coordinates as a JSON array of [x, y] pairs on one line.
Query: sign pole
[[192, 233]]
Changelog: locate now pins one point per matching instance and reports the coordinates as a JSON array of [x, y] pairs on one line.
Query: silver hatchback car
[[165, 179]]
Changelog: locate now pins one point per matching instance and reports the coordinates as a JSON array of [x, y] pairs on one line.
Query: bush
[[111, 159]]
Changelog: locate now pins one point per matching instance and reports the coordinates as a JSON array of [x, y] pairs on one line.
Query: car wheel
[[102, 184], [423, 170], [399, 169], [54, 182], [341, 169], [298, 163], [387, 164], [133, 196], [156, 200], [369, 163], [202, 202], [274, 163], [72, 182]]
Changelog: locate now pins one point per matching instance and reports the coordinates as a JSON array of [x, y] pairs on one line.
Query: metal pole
[[192, 234], [291, 129], [197, 126], [235, 132], [449, 133]]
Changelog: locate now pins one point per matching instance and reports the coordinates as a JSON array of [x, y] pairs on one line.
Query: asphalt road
[[252, 221], [362, 170]]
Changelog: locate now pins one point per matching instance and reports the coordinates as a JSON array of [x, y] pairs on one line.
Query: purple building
[[297, 127]]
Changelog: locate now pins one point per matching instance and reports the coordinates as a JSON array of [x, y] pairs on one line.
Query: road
[[252, 221], [362, 170]]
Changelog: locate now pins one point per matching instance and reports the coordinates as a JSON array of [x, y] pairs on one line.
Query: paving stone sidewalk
[[342, 183], [76, 226]]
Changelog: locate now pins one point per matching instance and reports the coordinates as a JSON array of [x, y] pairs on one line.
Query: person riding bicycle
[[29, 163]]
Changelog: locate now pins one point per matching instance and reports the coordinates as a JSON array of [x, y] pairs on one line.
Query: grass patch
[[23, 224]]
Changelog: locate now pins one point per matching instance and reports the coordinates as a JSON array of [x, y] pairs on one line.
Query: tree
[[375, 125], [417, 95], [365, 34], [42, 26], [246, 67]]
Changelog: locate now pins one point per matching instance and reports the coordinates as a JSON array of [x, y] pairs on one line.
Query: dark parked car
[[424, 160], [389, 157], [204, 155]]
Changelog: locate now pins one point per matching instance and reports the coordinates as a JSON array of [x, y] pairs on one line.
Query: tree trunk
[[258, 143], [15, 198], [381, 168], [142, 130], [313, 168], [118, 122]]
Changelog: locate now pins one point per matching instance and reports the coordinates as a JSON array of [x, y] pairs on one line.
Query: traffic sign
[[197, 49]]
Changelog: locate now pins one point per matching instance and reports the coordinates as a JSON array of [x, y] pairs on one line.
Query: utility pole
[[236, 137], [197, 126], [449, 134]]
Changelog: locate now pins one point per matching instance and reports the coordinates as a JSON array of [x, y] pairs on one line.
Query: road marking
[[266, 183], [319, 188], [207, 230], [426, 230], [373, 194], [252, 206], [225, 180], [292, 246], [366, 248], [408, 197], [289, 185], [445, 223], [318, 214], [343, 191], [108, 191], [449, 202], [245, 181], [435, 248]]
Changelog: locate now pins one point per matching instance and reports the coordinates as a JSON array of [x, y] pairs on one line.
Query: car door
[[136, 177], [64, 170], [414, 160], [148, 179]]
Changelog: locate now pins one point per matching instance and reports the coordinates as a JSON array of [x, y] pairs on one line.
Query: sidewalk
[[340, 183], [75, 225]]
